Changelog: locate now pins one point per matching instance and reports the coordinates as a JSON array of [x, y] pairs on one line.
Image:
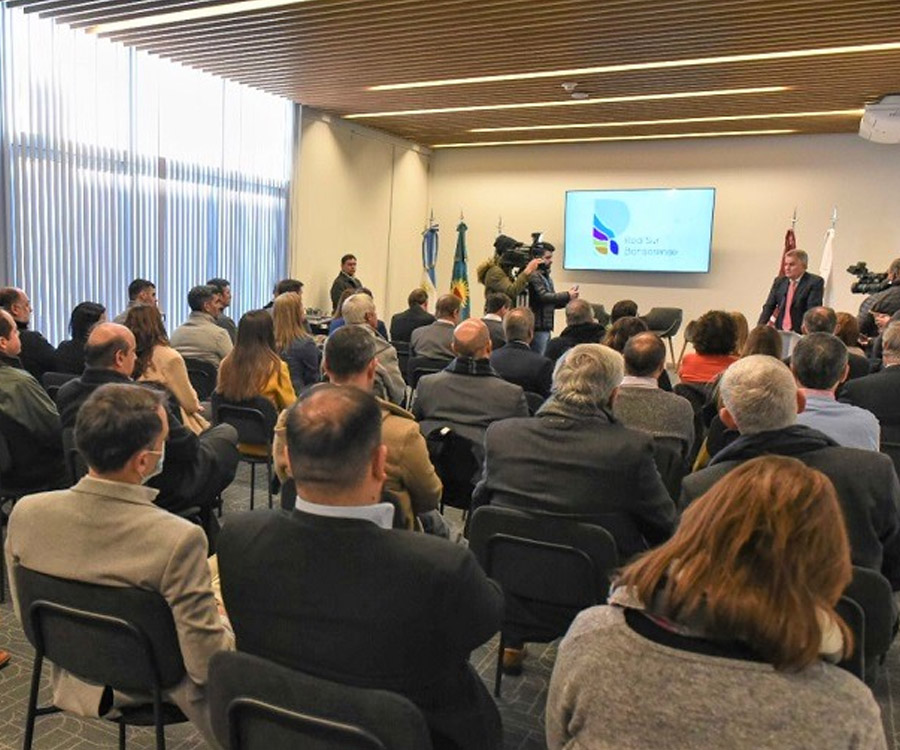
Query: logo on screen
[[610, 219]]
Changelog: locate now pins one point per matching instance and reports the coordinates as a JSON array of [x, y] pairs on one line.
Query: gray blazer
[[432, 341]]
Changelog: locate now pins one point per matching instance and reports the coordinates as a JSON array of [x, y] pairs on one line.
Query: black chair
[[417, 367], [670, 462], [455, 460], [892, 451], [53, 381], [256, 704], [874, 633], [534, 401], [699, 395], [664, 322], [550, 568], [402, 348], [254, 421], [76, 467], [66, 620], [202, 376]]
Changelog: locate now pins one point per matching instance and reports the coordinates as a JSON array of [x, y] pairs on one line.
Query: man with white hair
[[761, 400], [878, 393], [359, 310]]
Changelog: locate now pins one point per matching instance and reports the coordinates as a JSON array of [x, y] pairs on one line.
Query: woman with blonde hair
[[717, 638], [293, 342], [157, 362]]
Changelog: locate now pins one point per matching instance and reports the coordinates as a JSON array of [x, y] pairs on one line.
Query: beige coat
[[166, 367], [111, 533]]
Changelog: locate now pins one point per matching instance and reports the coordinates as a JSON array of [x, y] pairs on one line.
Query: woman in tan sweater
[[157, 362]]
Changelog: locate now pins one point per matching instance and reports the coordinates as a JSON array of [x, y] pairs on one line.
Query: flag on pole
[[429, 259], [825, 268], [460, 282], [790, 243]]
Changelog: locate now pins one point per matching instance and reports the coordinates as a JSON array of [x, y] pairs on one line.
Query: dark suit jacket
[[38, 355], [880, 394], [587, 466], [518, 364], [404, 323], [808, 294], [349, 601], [495, 328]]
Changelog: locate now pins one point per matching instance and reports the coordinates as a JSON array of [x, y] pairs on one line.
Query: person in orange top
[[253, 368], [714, 338]]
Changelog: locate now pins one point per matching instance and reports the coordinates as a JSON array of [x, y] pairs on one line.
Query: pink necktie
[[788, 323]]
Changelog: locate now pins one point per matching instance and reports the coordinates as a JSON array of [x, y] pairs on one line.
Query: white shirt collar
[[636, 381], [381, 514]]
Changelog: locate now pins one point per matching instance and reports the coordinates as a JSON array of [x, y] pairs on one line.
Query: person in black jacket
[[404, 323], [581, 328], [38, 355], [70, 353], [879, 392], [544, 300], [760, 399]]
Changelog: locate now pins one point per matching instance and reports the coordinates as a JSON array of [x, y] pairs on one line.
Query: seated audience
[[253, 369], [468, 395], [517, 362], [106, 530], [742, 329], [157, 362], [283, 286], [29, 422], [70, 353], [333, 590], [433, 341], [496, 305], [847, 330], [200, 337], [410, 476], [359, 310], [735, 615], [642, 405], [581, 328], [760, 399], [37, 354], [196, 469], [296, 346], [223, 290], [416, 316], [824, 320], [879, 393], [763, 340], [522, 466], [622, 330], [339, 322], [624, 308], [714, 337], [819, 363], [140, 292]]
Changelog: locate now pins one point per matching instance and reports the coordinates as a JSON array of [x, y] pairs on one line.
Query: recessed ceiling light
[[194, 14], [672, 121], [655, 65], [659, 137], [580, 94], [571, 102]]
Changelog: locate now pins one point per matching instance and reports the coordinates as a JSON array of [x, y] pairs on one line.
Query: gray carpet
[[521, 705]]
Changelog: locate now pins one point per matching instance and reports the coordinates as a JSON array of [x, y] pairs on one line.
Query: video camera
[[867, 282], [515, 254]]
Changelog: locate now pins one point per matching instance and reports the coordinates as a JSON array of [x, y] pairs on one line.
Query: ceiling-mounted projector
[[881, 120]]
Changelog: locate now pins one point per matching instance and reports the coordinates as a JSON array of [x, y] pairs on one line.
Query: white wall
[[758, 183], [362, 192]]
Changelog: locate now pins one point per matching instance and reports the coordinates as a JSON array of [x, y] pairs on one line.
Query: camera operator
[[497, 273], [543, 299], [881, 288]]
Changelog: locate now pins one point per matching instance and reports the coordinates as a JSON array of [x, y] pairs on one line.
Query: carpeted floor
[[521, 705]]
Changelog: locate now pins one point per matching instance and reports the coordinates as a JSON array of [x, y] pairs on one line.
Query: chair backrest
[[542, 557], [256, 704], [872, 592], [56, 379], [67, 621], [664, 321], [419, 366], [76, 467], [892, 451], [668, 454], [402, 348], [6, 459], [253, 419], [534, 401], [455, 462], [202, 376], [789, 340], [852, 613]]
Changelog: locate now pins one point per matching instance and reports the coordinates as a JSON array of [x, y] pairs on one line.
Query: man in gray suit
[[359, 310], [433, 341], [106, 530], [468, 395]]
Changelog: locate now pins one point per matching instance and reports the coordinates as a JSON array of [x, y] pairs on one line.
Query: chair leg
[[32, 701], [671, 350], [252, 483], [121, 734], [269, 481], [499, 675], [158, 718]]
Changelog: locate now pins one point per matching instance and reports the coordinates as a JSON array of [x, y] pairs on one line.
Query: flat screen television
[[666, 230]]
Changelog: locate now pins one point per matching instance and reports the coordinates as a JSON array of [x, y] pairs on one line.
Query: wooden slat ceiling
[[327, 53]]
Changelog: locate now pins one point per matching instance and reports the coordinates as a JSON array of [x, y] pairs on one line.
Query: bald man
[[468, 395], [195, 469]]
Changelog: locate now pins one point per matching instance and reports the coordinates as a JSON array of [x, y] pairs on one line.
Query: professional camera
[[867, 282], [515, 254]]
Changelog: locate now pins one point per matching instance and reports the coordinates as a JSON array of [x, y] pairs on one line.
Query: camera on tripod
[[516, 255], [867, 282]]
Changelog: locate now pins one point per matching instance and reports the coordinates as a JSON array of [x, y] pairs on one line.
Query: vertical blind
[[116, 164]]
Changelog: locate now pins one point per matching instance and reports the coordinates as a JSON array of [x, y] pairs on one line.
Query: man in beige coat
[[106, 530], [350, 360]]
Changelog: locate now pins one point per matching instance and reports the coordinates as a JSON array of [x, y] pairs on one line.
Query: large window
[[116, 164]]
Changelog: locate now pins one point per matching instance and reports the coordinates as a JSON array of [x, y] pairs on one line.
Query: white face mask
[[157, 470]]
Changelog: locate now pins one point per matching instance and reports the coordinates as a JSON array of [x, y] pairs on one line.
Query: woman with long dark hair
[[719, 638], [70, 353]]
